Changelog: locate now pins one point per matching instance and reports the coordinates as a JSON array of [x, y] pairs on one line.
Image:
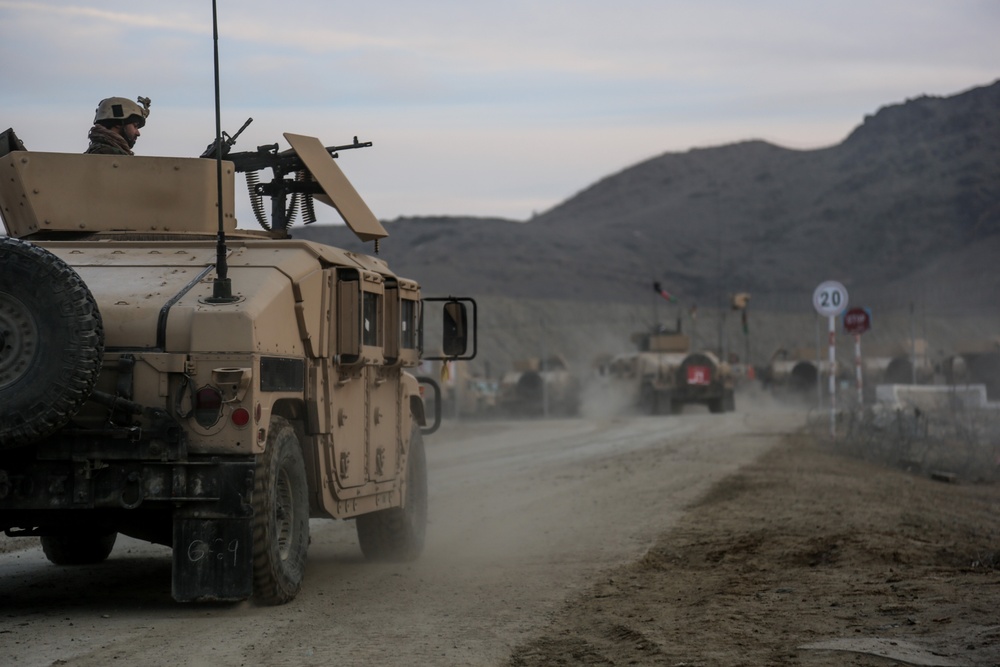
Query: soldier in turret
[[116, 125]]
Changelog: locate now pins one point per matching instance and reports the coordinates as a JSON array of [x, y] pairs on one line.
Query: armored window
[[371, 332], [348, 317], [408, 322]]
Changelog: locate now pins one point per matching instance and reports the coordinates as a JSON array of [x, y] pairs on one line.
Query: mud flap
[[212, 559], [213, 535]]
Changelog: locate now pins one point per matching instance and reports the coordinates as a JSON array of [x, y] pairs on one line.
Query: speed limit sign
[[830, 298]]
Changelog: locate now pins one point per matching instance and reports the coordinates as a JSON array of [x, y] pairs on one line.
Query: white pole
[[833, 378], [857, 368]]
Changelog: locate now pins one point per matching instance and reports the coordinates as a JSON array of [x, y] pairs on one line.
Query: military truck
[[664, 374], [976, 362], [144, 393], [794, 372], [537, 386]]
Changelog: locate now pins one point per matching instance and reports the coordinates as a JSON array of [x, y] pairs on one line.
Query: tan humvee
[[538, 386], [975, 362], [903, 362], [664, 374], [137, 396], [794, 371]]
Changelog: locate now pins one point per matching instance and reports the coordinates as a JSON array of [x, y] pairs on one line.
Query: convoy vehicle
[[171, 377], [794, 371], [539, 386], [664, 374], [976, 362]]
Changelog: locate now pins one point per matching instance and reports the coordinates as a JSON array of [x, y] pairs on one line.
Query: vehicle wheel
[[51, 343], [649, 400], [715, 406], [78, 548], [280, 517], [397, 534]]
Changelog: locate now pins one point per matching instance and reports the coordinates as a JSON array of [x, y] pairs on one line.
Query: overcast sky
[[487, 109]]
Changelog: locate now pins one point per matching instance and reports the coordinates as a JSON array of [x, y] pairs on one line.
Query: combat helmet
[[122, 109]]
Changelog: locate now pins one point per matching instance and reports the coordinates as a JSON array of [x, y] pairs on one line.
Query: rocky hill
[[906, 209]]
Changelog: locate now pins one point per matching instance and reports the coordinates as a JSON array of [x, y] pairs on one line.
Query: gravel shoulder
[[804, 557]]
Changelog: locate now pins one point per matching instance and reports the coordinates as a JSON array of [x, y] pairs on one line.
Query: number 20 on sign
[[830, 300]]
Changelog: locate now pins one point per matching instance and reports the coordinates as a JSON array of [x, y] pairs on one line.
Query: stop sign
[[857, 320]]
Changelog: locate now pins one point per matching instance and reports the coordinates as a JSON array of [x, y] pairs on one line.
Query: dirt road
[[523, 516], [695, 539]]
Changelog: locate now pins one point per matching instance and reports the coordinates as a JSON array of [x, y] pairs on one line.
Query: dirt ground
[[806, 557], [704, 540]]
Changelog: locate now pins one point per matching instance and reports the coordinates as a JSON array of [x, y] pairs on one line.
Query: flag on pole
[[664, 293]]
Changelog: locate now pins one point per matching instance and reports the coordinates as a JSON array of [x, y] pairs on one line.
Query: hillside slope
[[892, 211]]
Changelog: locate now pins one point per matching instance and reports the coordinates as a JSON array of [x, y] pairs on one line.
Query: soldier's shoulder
[[104, 149]]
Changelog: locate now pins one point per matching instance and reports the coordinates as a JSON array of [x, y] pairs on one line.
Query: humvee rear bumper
[[207, 503]]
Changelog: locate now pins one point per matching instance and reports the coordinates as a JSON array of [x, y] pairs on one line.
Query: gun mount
[[48, 187], [294, 184]]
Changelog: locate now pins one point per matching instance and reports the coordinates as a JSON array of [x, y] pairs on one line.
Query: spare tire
[[51, 343]]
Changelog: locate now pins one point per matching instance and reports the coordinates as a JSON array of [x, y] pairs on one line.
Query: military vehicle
[[664, 374], [168, 376], [904, 362], [794, 371], [539, 386], [976, 362]]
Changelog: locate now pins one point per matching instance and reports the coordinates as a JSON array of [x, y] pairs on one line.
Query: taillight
[[240, 417], [207, 406]]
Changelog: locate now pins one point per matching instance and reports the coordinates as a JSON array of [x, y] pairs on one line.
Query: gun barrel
[[356, 144], [232, 139]]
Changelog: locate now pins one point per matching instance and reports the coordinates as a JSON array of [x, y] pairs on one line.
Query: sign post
[[830, 300], [856, 322]]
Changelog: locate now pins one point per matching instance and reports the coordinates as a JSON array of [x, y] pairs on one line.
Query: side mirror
[[458, 328], [454, 326]]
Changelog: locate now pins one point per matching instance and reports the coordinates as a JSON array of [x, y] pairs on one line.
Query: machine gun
[[301, 188], [285, 162]]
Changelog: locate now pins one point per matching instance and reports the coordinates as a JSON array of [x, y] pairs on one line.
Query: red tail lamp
[[207, 406], [240, 417]]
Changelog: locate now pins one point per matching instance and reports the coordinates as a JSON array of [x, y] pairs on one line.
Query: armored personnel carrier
[[168, 376]]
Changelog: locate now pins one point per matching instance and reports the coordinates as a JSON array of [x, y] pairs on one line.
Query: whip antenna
[[222, 288]]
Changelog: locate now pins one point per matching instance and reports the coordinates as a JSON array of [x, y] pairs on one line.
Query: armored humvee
[[664, 374], [540, 387], [137, 397]]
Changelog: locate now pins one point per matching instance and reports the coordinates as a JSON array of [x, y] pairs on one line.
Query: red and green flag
[[664, 293]]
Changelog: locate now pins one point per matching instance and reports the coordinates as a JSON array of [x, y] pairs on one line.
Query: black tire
[[398, 533], [280, 517], [78, 548], [649, 400], [715, 406], [51, 343]]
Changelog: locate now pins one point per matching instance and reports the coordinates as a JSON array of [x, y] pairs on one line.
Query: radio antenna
[[222, 288]]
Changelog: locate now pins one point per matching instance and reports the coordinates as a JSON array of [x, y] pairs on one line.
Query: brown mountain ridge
[[906, 208]]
